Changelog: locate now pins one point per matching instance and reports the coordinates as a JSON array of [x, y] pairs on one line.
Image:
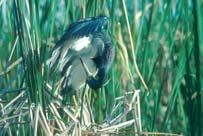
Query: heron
[[83, 55]]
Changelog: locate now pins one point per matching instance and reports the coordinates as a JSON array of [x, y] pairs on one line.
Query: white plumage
[[81, 43]]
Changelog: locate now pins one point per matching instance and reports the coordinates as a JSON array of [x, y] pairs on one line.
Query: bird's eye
[[105, 26]]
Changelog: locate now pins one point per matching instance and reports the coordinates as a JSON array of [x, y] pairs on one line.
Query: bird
[[83, 55]]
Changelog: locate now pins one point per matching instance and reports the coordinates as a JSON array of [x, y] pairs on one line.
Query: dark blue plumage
[[84, 27]]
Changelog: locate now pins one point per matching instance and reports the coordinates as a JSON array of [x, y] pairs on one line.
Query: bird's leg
[[82, 97], [83, 92], [85, 67]]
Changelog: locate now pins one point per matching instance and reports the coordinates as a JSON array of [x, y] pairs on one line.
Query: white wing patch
[[81, 43]]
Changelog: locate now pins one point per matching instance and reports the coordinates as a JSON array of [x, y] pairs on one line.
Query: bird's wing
[[84, 27]]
